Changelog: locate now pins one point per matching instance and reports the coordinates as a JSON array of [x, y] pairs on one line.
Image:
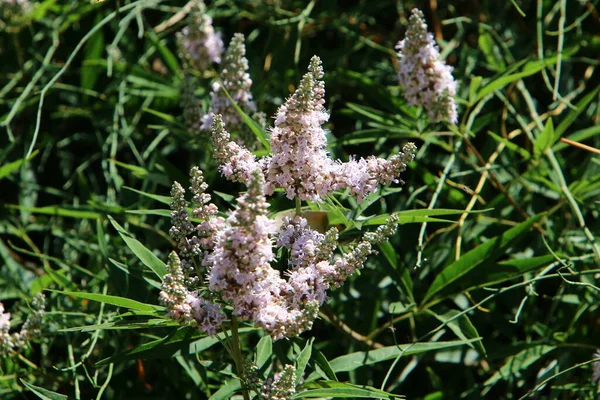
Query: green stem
[[298, 206], [236, 353]]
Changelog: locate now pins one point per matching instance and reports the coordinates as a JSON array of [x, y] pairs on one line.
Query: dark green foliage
[[489, 288]]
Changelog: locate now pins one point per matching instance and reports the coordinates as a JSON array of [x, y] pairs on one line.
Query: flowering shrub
[[431, 217]]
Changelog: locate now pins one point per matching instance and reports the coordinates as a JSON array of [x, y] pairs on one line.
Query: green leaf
[[161, 199], [42, 393], [254, 127], [164, 116], [392, 257], [159, 212], [502, 81], [574, 114], [227, 197], [264, 349], [417, 216], [352, 361], [521, 361], [323, 367], [101, 239], [510, 145], [143, 173], [545, 140], [146, 256], [462, 327], [529, 69], [303, 357], [488, 47], [226, 391], [578, 136], [343, 390], [11, 167], [166, 347], [147, 87], [399, 308], [186, 340], [92, 51], [123, 325], [474, 85], [450, 277], [373, 114], [164, 51], [61, 211], [113, 300], [499, 272]]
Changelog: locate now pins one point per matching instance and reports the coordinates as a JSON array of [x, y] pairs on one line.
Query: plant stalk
[[236, 353], [298, 206]]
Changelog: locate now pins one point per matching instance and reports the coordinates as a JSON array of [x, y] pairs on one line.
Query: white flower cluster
[[238, 252], [234, 78], [31, 329], [236, 161], [426, 79], [200, 46], [299, 162], [281, 387], [13, 10]]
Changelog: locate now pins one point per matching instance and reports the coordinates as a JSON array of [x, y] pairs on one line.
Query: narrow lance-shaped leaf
[[579, 108], [352, 361], [42, 393], [11, 167], [418, 216], [184, 341], [339, 390], [146, 256], [545, 140], [303, 358], [113, 300], [256, 129], [496, 273], [519, 362], [227, 390], [264, 349], [323, 367], [488, 251], [462, 327], [529, 69]]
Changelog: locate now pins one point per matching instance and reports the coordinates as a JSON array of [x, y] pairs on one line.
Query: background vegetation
[[93, 136]]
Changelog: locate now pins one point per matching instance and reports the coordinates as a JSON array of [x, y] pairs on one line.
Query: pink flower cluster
[[299, 162], [185, 305], [234, 78], [237, 253], [241, 272], [199, 45], [427, 80], [236, 161]]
